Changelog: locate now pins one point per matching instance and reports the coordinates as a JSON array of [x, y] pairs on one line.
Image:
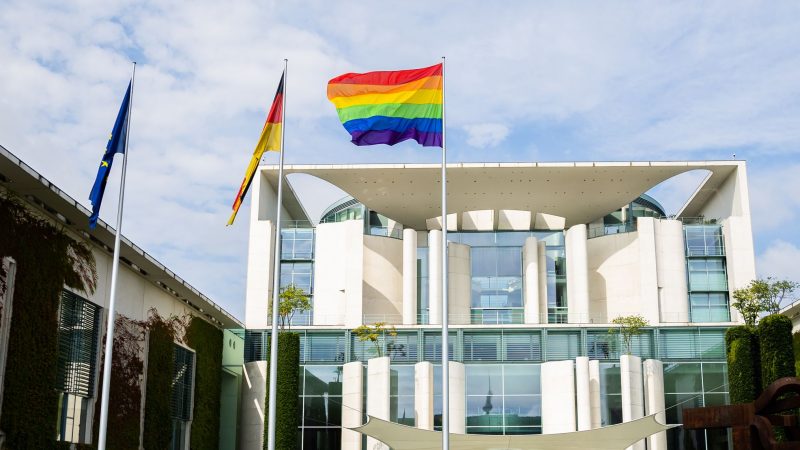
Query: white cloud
[[779, 260], [647, 80], [485, 135]]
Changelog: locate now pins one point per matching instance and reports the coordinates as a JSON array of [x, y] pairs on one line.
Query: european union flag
[[116, 144]]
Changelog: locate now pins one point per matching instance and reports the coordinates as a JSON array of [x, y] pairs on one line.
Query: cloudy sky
[[526, 81]]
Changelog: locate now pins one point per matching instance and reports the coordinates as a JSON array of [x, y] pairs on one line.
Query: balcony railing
[[605, 230]]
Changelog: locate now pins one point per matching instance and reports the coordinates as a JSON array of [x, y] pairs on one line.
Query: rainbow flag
[[270, 140], [388, 107]]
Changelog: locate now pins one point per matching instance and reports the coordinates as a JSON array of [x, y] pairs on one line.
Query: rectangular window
[[707, 274], [503, 399], [320, 407], [297, 244], [704, 240], [709, 307], [563, 345], [401, 395], [692, 385], [182, 400], [78, 342]]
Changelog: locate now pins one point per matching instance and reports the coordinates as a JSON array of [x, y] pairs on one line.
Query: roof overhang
[[578, 191]]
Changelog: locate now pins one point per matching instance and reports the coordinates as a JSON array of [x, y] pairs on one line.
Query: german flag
[[270, 140]]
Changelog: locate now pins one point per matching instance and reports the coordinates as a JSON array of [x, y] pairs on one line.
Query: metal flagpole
[[276, 273], [445, 344], [101, 439]]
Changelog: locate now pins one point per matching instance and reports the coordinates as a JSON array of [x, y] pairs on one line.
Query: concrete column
[[378, 385], [558, 397], [737, 233], [673, 292], [654, 400], [252, 411], [632, 395], [530, 274], [435, 277], [594, 393], [352, 409], [542, 253], [577, 274], [260, 250], [423, 395], [583, 393], [648, 271], [459, 281], [409, 276], [458, 398], [9, 267]]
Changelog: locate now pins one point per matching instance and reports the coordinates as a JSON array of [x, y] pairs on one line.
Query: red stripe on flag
[[387, 77]]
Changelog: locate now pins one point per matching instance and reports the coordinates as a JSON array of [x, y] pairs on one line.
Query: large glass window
[[692, 385], [297, 243], [422, 286], [704, 240], [710, 307], [401, 395], [707, 274], [321, 410], [496, 284], [299, 274], [182, 400], [503, 399], [610, 394]]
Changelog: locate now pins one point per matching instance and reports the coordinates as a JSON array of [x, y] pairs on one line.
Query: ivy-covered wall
[[206, 341], [775, 345], [286, 419], [796, 342], [744, 372], [47, 259], [158, 393]]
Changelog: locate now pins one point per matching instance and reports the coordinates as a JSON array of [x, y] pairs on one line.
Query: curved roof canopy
[[580, 191], [614, 437]]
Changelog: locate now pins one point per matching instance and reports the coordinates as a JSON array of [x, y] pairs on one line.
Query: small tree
[[765, 295], [629, 326], [748, 305], [373, 334], [293, 299]]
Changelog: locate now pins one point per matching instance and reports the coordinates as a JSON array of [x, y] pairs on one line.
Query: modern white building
[[144, 285], [541, 258]]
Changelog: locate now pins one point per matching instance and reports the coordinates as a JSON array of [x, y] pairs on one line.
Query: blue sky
[[526, 81]]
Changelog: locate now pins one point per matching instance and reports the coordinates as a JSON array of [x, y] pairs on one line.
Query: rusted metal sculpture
[[753, 424]]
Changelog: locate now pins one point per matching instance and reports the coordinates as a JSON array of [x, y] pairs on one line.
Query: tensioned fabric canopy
[[614, 437]]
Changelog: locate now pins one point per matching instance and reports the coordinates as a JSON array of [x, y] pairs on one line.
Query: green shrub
[[206, 340], [158, 390], [775, 345], [744, 373], [796, 344], [286, 420], [47, 259]]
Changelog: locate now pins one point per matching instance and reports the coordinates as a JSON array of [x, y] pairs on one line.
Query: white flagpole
[[101, 439], [445, 344], [276, 282]]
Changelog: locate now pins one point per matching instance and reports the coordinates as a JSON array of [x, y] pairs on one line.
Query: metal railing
[[605, 230]]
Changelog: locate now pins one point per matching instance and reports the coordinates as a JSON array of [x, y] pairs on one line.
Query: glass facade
[[496, 271], [297, 266], [502, 369], [707, 275], [422, 286]]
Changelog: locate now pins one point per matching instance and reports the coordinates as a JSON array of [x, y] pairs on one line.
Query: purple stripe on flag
[[390, 137]]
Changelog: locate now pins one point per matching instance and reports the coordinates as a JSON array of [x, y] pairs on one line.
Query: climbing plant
[[47, 260], [206, 340], [744, 371], [775, 345], [288, 391]]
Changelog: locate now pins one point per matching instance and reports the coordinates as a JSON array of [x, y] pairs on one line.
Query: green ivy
[[796, 344], [158, 390], [47, 259], [288, 392], [744, 373], [206, 340], [775, 343]]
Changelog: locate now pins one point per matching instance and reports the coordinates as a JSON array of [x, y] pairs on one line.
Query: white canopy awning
[[614, 437]]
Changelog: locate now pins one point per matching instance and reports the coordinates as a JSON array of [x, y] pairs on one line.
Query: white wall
[[459, 282], [409, 276], [423, 395], [558, 397], [382, 288], [632, 392], [613, 276], [378, 384], [530, 274], [673, 291], [252, 410], [648, 269], [575, 243], [352, 404], [338, 268], [434, 277]]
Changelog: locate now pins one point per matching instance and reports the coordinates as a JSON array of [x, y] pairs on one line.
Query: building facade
[[541, 258], [145, 286]]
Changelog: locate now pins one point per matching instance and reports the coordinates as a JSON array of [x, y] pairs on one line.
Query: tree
[[748, 305], [762, 295], [629, 326], [293, 299], [373, 334]]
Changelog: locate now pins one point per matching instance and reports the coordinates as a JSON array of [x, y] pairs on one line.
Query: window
[[710, 307], [321, 408], [297, 244], [707, 274], [401, 395], [299, 274], [78, 341], [503, 399], [181, 403], [692, 385], [704, 240]]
